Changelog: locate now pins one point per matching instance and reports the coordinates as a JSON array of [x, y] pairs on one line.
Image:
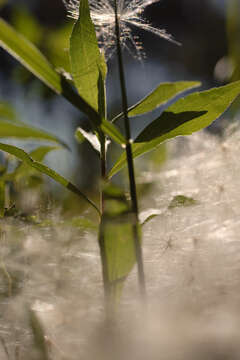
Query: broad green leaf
[[2, 198], [159, 96], [20, 131], [186, 116], [30, 57], [22, 155], [116, 241], [85, 57], [7, 112]]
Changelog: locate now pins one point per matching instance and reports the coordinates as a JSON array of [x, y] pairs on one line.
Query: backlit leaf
[[86, 61], [21, 131], [186, 116], [160, 96]]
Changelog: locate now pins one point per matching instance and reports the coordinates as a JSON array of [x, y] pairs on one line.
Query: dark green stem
[[101, 225], [132, 182], [103, 170]]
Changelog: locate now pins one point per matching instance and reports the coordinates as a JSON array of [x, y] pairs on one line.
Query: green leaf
[[25, 52], [30, 57], [102, 101], [86, 60], [186, 116], [22, 155], [159, 96], [21, 131], [116, 241]]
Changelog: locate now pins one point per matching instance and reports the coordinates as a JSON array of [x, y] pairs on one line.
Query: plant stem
[[132, 182], [103, 170], [101, 238]]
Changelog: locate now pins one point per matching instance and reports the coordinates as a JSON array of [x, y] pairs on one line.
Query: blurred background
[[207, 29]]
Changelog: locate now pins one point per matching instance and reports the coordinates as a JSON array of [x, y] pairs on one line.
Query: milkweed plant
[[102, 29]]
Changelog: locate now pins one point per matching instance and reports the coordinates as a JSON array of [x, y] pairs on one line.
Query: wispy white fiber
[[130, 15]]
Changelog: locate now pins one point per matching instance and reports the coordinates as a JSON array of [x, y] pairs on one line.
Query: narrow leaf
[[20, 131], [85, 57], [159, 96], [102, 101], [20, 48], [186, 116], [22, 155]]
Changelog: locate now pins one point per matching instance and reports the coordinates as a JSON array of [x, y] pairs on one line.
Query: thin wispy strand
[[130, 15]]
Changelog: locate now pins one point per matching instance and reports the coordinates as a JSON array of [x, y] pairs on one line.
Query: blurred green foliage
[[27, 24], [233, 33], [53, 41]]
